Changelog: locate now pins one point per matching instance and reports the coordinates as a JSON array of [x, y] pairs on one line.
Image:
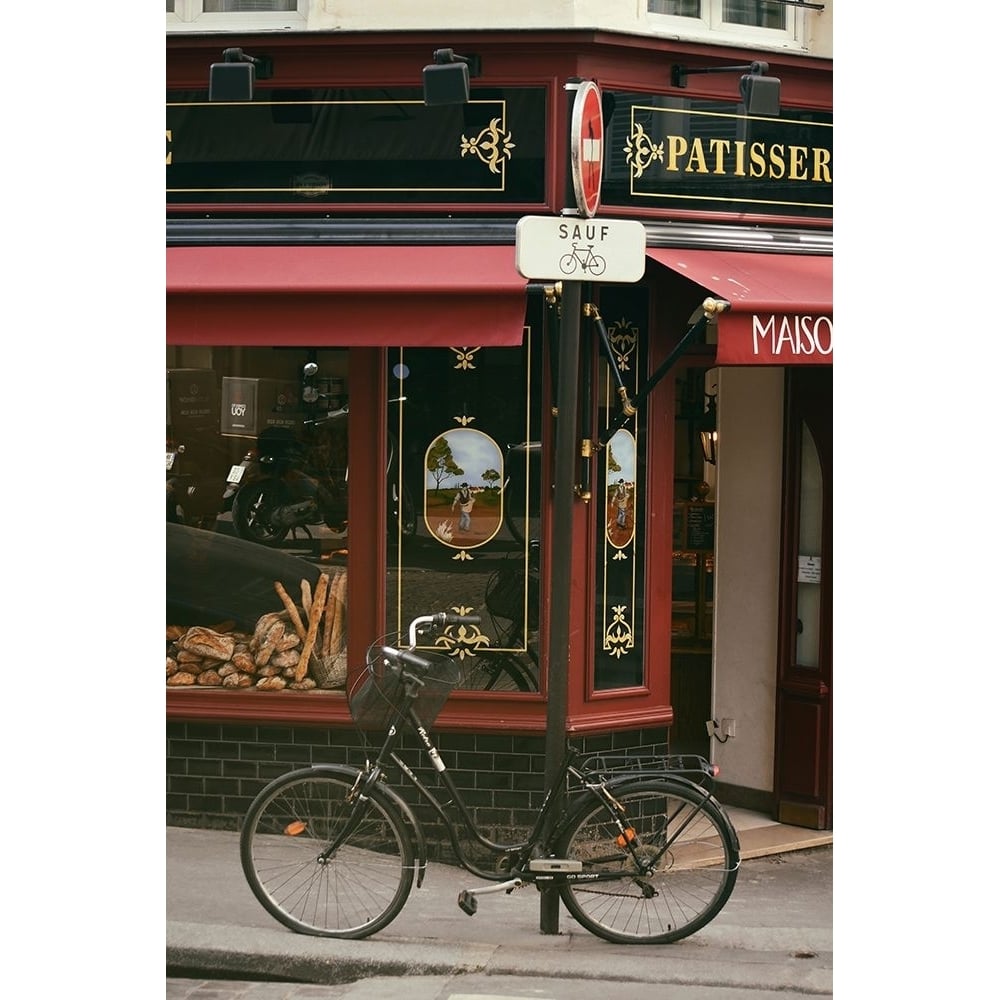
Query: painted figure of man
[[464, 501]]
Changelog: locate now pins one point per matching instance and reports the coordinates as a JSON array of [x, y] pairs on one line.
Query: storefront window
[[257, 479], [463, 431], [807, 643]]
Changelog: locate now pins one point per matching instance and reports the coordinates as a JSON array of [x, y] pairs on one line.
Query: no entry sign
[[587, 147]]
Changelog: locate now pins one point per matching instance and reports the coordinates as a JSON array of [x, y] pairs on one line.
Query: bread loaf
[[207, 642], [271, 684]]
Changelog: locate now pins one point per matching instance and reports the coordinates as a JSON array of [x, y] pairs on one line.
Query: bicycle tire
[[691, 884], [359, 890]]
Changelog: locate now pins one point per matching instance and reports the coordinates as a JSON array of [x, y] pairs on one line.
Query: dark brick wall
[[215, 769]]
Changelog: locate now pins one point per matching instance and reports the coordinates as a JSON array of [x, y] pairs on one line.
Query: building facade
[[342, 282]]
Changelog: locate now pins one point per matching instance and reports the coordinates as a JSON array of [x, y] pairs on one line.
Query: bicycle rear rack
[[690, 766]]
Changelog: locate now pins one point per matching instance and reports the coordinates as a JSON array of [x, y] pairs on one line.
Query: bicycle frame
[[637, 848], [538, 844]]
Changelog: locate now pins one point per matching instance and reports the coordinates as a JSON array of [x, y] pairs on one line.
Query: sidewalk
[[215, 927]]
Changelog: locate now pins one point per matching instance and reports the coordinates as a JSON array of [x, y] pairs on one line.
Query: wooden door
[[803, 738]]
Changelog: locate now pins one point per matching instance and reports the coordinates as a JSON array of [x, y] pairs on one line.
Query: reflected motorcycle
[[286, 485], [196, 485], [292, 481]]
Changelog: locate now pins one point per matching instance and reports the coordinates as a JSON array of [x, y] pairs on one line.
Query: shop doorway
[[804, 711], [693, 563]]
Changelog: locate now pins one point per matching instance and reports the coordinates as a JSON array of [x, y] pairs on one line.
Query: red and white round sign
[[587, 147]]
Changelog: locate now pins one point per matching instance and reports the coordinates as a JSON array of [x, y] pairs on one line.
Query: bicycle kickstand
[[467, 897]]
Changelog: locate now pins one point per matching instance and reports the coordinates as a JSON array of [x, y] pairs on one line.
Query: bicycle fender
[[584, 799], [397, 801]]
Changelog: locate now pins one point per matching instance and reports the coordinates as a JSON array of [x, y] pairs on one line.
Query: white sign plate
[[555, 248]]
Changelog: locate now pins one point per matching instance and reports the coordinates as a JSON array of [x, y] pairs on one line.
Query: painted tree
[[441, 463], [491, 477]]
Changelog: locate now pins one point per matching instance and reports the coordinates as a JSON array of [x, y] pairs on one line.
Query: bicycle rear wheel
[[698, 855], [355, 892]]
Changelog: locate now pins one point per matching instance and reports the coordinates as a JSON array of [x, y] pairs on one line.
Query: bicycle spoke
[[690, 850], [358, 888]]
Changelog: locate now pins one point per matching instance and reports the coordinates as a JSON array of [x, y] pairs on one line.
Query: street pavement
[[775, 934]]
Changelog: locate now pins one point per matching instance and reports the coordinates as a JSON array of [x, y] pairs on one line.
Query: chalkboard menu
[[694, 526]]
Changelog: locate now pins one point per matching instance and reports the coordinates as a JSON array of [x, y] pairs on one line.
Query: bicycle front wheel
[[355, 891], [687, 837]]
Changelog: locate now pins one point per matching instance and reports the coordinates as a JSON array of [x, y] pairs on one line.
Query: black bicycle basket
[[376, 698]]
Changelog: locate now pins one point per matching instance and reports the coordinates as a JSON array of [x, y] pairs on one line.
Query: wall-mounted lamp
[[446, 80], [233, 79], [761, 95], [709, 433]]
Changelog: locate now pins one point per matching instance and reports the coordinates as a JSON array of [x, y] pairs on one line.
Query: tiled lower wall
[[214, 770]]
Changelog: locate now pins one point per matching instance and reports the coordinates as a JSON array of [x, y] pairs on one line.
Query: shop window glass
[[257, 474], [620, 498], [235, 13], [247, 6], [675, 8], [463, 431], [757, 13], [807, 643]]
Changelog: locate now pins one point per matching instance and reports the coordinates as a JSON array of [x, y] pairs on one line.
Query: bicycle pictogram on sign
[[584, 258]]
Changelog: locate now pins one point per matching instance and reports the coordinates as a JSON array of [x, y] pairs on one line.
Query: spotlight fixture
[[761, 95], [446, 80], [233, 79]]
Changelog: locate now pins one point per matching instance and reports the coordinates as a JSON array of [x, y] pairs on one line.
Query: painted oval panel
[[463, 494]]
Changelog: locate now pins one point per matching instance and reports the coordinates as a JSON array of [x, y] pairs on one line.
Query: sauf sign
[[555, 248]]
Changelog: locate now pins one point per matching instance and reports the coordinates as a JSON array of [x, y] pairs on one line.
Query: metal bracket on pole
[[711, 308], [590, 310]]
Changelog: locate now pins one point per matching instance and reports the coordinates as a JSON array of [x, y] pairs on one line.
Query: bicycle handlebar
[[439, 620], [406, 658]]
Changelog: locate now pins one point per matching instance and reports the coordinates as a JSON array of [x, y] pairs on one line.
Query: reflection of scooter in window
[[294, 483], [299, 479]]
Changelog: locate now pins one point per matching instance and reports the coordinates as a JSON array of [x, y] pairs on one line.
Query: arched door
[[804, 712]]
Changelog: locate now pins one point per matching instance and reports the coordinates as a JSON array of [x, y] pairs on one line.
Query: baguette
[[330, 612], [337, 640], [293, 612], [318, 604], [306, 595]]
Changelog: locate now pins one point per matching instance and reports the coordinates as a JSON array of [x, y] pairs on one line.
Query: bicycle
[[584, 257], [640, 851]]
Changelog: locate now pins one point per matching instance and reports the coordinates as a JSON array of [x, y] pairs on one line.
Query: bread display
[[299, 648]]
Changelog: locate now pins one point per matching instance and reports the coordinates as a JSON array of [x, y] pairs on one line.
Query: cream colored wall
[[608, 15], [748, 502], [628, 16]]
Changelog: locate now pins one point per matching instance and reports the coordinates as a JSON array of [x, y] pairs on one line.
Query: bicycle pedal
[[467, 902], [554, 865]]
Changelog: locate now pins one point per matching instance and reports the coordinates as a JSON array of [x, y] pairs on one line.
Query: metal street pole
[[561, 563]]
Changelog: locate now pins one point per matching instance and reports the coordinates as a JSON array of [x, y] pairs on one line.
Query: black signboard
[[320, 147], [694, 527], [683, 153], [374, 146]]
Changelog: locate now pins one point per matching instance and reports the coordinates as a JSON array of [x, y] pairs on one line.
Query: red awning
[[347, 296], [781, 305]]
